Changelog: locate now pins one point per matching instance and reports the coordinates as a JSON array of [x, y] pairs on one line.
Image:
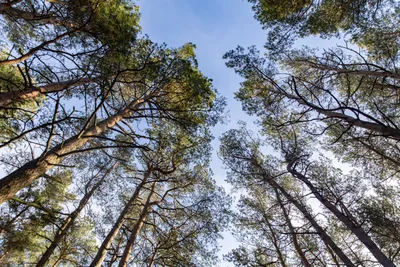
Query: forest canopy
[[106, 139]]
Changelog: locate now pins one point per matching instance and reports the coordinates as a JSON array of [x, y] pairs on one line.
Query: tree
[[249, 168], [179, 93], [70, 220], [368, 23]]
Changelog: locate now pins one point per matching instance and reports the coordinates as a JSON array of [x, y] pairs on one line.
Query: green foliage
[[288, 20]]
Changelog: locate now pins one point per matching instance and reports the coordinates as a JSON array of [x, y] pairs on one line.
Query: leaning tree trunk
[[382, 129], [63, 231], [153, 257], [357, 230], [275, 241], [32, 170], [8, 98], [102, 252], [293, 234], [321, 232], [136, 230]]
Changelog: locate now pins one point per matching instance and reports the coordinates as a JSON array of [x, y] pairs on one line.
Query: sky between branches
[[215, 26]]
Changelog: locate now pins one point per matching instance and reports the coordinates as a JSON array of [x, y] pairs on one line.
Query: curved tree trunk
[[32, 51], [385, 130], [15, 13], [36, 91]]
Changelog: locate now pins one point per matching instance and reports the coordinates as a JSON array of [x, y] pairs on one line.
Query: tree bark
[[15, 13], [71, 219], [36, 91], [321, 232], [102, 252], [331, 113], [275, 241], [291, 229], [32, 170], [355, 229], [136, 230], [153, 257]]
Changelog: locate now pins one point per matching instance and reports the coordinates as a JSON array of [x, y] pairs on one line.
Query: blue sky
[[215, 26]]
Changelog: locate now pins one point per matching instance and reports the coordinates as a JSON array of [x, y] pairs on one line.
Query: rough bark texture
[[136, 229], [102, 252], [34, 169]]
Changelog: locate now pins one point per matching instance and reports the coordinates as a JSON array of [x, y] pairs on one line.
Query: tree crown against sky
[[107, 136]]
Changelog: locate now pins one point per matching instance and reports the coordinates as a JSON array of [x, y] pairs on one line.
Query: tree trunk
[[15, 13], [71, 219], [153, 257], [102, 252], [386, 131], [275, 241], [136, 230], [32, 170], [321, 232], [34, 92], [115, 254], [291, 229], [355, 229], [346, 70]]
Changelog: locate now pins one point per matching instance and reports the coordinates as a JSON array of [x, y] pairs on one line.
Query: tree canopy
[[105, 139]]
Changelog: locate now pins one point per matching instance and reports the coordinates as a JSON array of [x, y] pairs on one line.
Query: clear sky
[[215, 26]]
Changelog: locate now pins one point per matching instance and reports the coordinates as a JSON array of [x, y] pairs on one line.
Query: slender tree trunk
[[34, 92], [3, 256], [321, 232], [71, 219], [34, 169], [275, 241], [378, 152], [102, 252], [136, 230], [115, 255], [386, 131], [57, 262], [355, 72], [153, 257], [333, 256], [293, 233], [355, 229]]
